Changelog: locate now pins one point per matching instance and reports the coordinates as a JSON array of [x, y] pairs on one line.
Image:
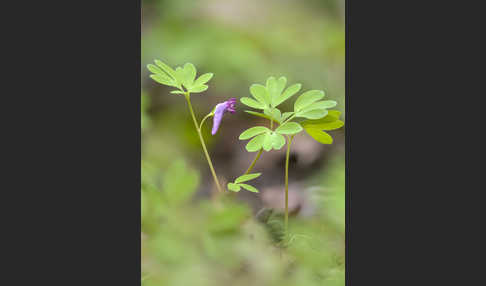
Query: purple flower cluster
[[220, 110]]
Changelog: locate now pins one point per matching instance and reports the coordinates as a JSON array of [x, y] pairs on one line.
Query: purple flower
[[221, 109]]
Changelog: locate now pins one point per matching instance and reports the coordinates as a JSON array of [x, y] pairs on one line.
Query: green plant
[[185, 82], [282, 126], [317, 118]]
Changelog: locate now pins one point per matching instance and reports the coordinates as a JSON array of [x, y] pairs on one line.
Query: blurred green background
[[192, 236]]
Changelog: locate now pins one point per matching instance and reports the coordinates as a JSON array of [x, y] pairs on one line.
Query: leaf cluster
[[182, 78], [238, 183], [309, 105]]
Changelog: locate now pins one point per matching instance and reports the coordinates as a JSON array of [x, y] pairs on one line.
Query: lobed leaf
[[325, 104], [255, 144], [252, 103], [163, 79], [329, 122], [188, 75], [312, 114], [289, 128], [267, 141], [167, 69], [247, 134], [154, 69], [260, 93], [308, 98], [203, 79], [289, 92], [274, 114], [197, 89], [278, 141]]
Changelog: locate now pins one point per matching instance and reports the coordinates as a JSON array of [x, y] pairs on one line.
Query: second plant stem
[[287, 155], [198, 129]]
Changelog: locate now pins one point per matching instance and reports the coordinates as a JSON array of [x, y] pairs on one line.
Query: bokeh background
[[192, 236]]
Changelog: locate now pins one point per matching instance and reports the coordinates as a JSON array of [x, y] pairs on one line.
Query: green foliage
[[249, 133], [289, 128], [181, 77], [308, 105], [307, 99], [237, 185], [247, 177], [315, 127]]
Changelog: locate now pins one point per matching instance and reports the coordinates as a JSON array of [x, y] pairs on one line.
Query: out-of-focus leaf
[[179, 183], [233, 187], [319, 135], [249, 188], [247, 177]]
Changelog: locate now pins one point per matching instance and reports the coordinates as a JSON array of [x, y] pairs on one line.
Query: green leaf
[[286, 115], [252, 103], [274, 113], [313, 114], [308, 98], [258, 114], [275, 87], [167, 69], [177, 92], [188, 75], [196, 89], [278, 141], [253, 132], [255, 144], [233, 187], [289, 92], [203, 79], [249, 188], [334, 113], [336, 124], [281, 83], [180, 183], [318, 135], [154, 69], [247, 177], [267, 141], [289, 128], [329, 122], [163, 79], [260, 93]]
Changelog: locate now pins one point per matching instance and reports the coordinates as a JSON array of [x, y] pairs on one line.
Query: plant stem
[[204, 119], [254, 162], [286, 223], [202, 143]]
